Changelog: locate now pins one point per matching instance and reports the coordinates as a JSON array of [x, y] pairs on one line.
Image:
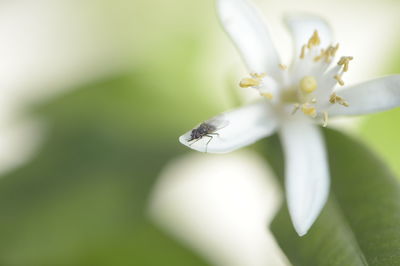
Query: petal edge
[[369, 97], [249, 33], [306, 172]]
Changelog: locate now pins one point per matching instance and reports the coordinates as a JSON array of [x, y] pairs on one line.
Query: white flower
[[294, 99]]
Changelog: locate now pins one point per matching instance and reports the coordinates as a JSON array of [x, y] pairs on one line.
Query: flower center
[[308, 83]]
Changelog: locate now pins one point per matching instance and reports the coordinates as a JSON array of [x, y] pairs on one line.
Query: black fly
[[207, 129]]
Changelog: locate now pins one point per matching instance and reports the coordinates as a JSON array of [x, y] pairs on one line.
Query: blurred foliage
[[382, 130], [82, 199], [359, 225]]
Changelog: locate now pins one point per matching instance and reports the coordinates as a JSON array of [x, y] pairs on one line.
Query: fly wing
[[218, 122]]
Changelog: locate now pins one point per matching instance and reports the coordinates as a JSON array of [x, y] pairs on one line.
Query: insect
[[208, 129]]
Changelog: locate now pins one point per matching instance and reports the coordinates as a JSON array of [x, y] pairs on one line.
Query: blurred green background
[[81, 198]]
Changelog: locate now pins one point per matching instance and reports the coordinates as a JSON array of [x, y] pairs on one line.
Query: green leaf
[[360, 224], [82, 198], [381, 131]]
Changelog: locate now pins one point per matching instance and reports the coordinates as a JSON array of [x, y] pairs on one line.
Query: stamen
[[249, 82], [254, 81], [308, 110], [325, 118], [327, 53], [339, 80], [314, 40], [267, 95], [308, 84], [320, 56], [337, 99], [258, 75], [303, 51], [335, 49], [344, 61], [283, 67], [333, 99], [296, 108]]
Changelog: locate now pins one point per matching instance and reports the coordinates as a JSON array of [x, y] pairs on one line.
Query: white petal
[[302, 27], [250, 35], [369, 97], [306, 172], [244, 126]]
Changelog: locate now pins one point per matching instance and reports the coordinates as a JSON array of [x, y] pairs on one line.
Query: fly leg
[[211, 138], [194, 141], [215, 134]]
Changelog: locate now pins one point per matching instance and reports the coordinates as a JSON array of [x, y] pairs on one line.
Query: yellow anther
[[314, 40], [249, 82], [339, 80], [267, 95], [303, 51], [296, 108], [308, 110], [254, 81], [308, 84], [327, 53], [345, 104], [335, 49], [258, 75], [344, 61], [283, 67], [337, 99], [333, 98], [325, 119], [320, 56]]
